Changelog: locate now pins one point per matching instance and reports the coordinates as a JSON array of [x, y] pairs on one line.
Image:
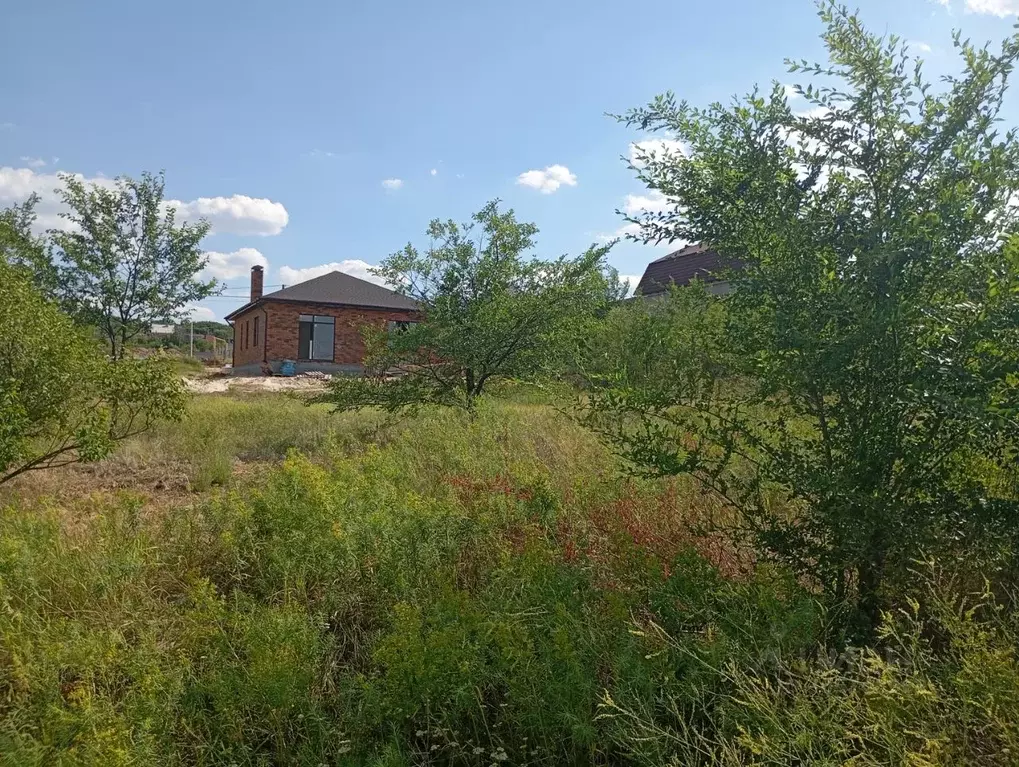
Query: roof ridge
[[340, 288]]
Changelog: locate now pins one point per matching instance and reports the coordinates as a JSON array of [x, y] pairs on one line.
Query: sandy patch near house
[[219, 384]]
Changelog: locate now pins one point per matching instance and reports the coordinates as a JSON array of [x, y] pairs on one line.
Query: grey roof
[[338, 288]]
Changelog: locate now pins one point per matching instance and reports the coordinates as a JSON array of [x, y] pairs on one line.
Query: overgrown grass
[[452, 591]]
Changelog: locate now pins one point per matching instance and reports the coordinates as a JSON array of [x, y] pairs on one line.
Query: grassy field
[[269, 584]]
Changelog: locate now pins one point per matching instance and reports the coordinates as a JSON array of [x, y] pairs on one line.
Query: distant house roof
[[339, 289], [681, 267]]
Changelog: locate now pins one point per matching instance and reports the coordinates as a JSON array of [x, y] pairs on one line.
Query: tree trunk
[[870, 575]]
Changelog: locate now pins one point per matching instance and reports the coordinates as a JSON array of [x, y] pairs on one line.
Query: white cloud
[[199, 313], [635, 205], [919, 45], [631, 280], [18, 184], [392, 184], [999, 8], [237, 214], [622, 233], [34, 162], [434, 171], [7, 126], [656, 148], [655, 202], [355, 267], [228, 266], [791, 93], [548, 180], [323, 154], [813, 112]]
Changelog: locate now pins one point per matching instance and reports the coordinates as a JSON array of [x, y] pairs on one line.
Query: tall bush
[[61, 398], [872, 337]]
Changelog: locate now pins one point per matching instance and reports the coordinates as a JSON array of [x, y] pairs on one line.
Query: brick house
[[683, 266], [317, 323]]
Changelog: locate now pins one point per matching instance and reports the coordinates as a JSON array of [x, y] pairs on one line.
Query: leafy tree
[[61, 398], [126, 263], [639, 344], [21, 248], [487, 312], [871, 341]]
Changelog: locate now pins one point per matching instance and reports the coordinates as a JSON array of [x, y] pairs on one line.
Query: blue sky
[[315, 133]]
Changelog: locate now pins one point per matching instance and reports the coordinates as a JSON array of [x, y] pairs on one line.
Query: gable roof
[[339, 289], [681, 267]]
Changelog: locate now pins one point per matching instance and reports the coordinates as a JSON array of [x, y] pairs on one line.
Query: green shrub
[[458, 591]]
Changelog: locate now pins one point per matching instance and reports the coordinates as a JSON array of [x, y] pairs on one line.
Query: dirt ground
[[218, 383]]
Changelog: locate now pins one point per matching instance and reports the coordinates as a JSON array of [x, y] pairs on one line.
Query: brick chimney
[[256, 283]]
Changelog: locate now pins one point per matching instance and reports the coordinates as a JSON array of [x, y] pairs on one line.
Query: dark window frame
[[306, 332], [256, 331]]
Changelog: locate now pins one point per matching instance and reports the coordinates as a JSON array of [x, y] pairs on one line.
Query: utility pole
[[192, 338]]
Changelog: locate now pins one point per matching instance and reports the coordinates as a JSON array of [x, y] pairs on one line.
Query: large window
[[315, 337], [256, 331]]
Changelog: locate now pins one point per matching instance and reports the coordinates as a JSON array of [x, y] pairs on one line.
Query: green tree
[[487, 312], [125, 262], [871, 341], [61, 398], [20, 247]]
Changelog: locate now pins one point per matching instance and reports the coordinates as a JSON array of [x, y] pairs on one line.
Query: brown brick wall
[[246, 350], [281, 339]]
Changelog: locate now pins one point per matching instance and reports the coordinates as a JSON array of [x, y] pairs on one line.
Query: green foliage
[[213, 328], [641, 344], [466, 590], [20, 248], [488, 312], [125, 263], [942, 690], [61, 399], [872, 336]]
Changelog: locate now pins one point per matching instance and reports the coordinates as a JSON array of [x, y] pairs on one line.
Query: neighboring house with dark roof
[[318, 324], [681, 267]]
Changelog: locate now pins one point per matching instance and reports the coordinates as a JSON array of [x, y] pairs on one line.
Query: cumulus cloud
[[999, 8], [18, 184], [434, 171], [228, 266], [631, 280], [392, 184], [200, 313], [237, 214], [34, 162], [791, 93], [919, 45], [656, 148], [622, 233], [355, 267], [635, 205], [655, 202], [548, 180]]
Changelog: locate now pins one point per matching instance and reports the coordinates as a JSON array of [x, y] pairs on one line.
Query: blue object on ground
[[288, 368]]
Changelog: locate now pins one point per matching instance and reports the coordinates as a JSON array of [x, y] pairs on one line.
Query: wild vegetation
[[775, 527], [489, 312], [450, 589], [867, 357]]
